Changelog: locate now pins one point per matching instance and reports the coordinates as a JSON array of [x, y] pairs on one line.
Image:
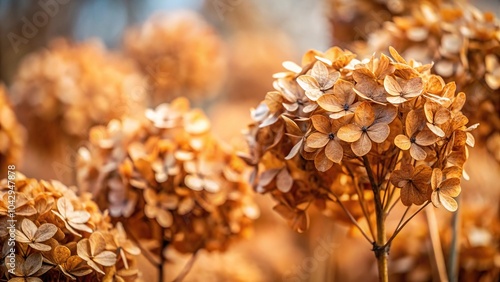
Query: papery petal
[[321, 162], [349, 133], [317, 140], [402, 142], [330, 103], [321, 123], [448, 202], [378, 132], [392, 86], [362, 146], [426, 138], [364, 115], [417, 152], [450, 187], [284, 181], [334, 151], [164, 218], [436, 130]]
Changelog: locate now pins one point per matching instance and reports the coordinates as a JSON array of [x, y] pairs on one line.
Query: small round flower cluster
[[12, 134], [464, 44], [180, 53], [166, 173], [59, 235], [335, 126], [66, 89]]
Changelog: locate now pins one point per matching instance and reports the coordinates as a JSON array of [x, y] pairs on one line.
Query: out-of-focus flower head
[[332, 118], [167, 173], [58, 234], [464, 45], [62, 91], [12, 134], [356, 19], [180, 53]]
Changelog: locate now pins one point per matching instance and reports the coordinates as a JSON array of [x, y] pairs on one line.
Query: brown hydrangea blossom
[[64, 90], [81, 246], [464, 45], [167, 179], [180, 53], [356, 19], [12, 134], [353, 148]]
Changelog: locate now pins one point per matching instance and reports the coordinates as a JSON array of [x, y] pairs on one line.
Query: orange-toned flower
[[365, 128], [443, 191], [35, 236], [181, 54], [317, 81], [154, 208], [29, 269], [414, 183], [71, 218], [436, 116], [48, 246], [402, 90], [93, 251], [417, 136], [22, 205], [325, 139], [71, 265], [341, 102]]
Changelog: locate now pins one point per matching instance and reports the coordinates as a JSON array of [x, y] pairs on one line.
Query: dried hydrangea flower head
[[66, 89], [60, 235], [12, 134], [479, 237], [464, 44], [355, 20], [166, 173], [364, 135], [180, 53]]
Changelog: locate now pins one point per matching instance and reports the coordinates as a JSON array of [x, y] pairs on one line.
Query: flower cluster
[[335, 126], [66, 89], [166, 174], [180, 53], [479, 238], [12, 134], [59, 235], [464, 44], [356, 19]]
